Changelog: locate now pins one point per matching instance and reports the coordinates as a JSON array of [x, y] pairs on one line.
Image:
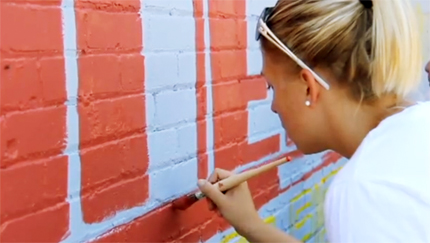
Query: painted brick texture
[[33, 169], [111, 109]]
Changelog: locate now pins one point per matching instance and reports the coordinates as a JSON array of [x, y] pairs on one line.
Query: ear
[[313, 88]]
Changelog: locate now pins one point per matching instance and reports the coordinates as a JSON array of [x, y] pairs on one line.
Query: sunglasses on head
[[263, 30]]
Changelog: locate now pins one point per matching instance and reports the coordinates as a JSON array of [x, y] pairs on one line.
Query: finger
[[211, 205], [222, 174], [213, 177], [212, 192]]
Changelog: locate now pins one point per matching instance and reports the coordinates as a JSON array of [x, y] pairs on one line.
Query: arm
[[260, 232]]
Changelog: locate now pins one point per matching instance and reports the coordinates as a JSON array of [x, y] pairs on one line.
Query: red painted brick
[[233, 89], [104, 203], [111, 107], [125, 75], [33, 122], [201, 91], [237, 93], [234, 38], [263, 183], [30, 28], [106, 120], [228, 64], [102, 31], [228, 157], [253, 88], [37, 81], [201, 132], [109, 5], [33, 134], [228, 57], [232, 97], [31, 187], [40, 2], [192, 225], [222, 8], [230, 128], [256, 151], [132, 72], [126, 158], [203, 165], [166, 225], [49, 225], [233, 149], [198, 12], [95, 80]]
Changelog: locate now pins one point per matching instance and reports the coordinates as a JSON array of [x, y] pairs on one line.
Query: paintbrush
[[186, 201]]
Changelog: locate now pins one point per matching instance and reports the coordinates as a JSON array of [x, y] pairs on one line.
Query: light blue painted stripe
[[95, 230], [72, 148], [209, 96]]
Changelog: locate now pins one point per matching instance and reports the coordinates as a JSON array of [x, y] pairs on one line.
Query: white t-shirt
[[382, 194]]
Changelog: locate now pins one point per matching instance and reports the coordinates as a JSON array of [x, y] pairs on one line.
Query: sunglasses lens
[[263, 16]]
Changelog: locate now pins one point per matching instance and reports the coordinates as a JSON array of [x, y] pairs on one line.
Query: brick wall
[[110, 109]]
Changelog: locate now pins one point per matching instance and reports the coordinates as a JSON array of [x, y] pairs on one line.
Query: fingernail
[[201, 182]]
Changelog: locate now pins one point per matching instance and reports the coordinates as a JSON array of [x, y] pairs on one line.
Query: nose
[[273, 107]]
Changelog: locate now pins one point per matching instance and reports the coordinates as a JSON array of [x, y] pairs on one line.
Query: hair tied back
[[367, 3]]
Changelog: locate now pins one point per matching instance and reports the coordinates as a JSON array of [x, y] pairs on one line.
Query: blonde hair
[[376, 51]]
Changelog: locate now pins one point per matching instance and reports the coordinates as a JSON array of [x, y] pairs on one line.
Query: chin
[[309, 148]]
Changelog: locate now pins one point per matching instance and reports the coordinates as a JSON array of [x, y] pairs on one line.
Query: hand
[[235, 205]]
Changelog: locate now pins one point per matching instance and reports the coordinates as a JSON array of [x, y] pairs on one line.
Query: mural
[[112, 109]]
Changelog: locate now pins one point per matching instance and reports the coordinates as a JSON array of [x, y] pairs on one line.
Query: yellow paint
[[303, 208], [317, 195], [298, 196], [230, 237], [242, 240], [307, 237], [302, 222], [269, 220]]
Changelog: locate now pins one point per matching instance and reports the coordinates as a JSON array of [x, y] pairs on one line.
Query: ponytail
[[397, 50]]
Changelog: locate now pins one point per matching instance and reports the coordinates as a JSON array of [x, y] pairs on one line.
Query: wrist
[[250, 226]]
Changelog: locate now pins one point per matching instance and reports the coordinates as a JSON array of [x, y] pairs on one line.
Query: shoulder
[[398, 147], [382, 193], [361, 210]]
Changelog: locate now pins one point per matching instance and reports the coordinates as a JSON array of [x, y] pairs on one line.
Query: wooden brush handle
[[236, 179]]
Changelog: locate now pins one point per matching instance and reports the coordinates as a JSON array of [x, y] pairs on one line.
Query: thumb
[[211, 191]]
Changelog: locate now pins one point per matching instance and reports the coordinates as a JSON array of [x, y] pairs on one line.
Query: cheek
[[288, 110]]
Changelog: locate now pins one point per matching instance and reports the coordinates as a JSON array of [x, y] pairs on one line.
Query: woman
[[362, 60]]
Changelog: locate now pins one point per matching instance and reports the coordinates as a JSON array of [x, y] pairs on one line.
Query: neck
[[352, 122]]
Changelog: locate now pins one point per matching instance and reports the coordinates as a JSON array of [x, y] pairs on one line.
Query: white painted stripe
[[209, 96], [72, 148]]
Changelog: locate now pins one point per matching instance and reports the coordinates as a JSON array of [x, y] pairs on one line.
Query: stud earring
[[307, 103]]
